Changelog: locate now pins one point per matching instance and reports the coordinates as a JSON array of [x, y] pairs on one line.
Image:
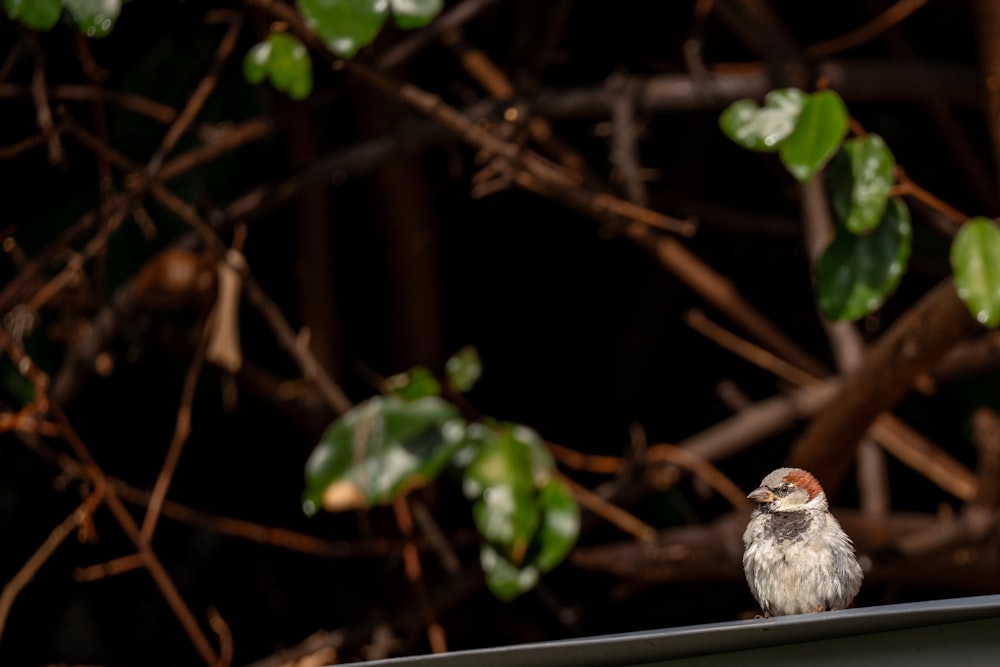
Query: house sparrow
[[796, 556]]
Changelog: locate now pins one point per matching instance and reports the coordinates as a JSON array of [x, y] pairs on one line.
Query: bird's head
[[789, 490]]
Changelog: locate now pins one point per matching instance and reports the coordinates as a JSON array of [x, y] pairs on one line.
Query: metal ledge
[[962, 631]]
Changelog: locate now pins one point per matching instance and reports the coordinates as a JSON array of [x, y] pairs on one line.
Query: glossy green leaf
[[289, 65], [285, 61], [856, 273], [379, 450], [463, 369], [256, 61], [501, 479], [975, 259], [860, 178], [504, 579], [346, 26], [410, 14], [36, 14], [94, 18], [556, 536], [763, 128], [821, 126], [413, 384], [560, 526]]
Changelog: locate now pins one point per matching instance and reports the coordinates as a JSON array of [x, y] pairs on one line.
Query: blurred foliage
[[389, 445], [870, 251], [284, 61]]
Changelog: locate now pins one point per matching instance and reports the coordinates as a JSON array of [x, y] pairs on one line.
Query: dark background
[[580, 332]]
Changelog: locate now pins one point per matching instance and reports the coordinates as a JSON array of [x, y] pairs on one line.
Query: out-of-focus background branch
[[199, 275]]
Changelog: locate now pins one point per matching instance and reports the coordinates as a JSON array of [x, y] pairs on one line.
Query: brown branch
[[848, 349], [869, 31], [182, 429], [986, 434], [721, 293], [414, 574], [42, 554], [613, 514], [109, 569], [897, 438], [70, 92], [624, 151], [589, 462], [455, 17], [435, 536], [225, 635], [152, 563], [200, 95], [911, 346], [685, 458], [171, 595], [856, 81], [907, 187], [12, 151], [43, 112], [297, 348], [713, 552]]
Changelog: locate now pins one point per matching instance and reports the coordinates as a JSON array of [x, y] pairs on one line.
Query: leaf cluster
[[407, 437], [863, 264]]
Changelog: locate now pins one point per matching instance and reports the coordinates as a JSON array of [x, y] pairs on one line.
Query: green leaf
[[504, 579], [380, 450], [821, 126], [555, 538], [94, 18], [413, 384], [256, 61], [856, 274], [410, 14], [285, 61], [860, 181], [560, 526], [346, 26], [763, 128], [501, 479], [36, 14], [463, 369], [289, 65], [975, 259]]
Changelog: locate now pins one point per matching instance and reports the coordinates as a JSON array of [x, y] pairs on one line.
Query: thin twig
[[27, 368], [110, 568], [43, 112], [613, 514], [685, 458], [848, 349], [907, 187], [897, 438], [42, 554], [869, 31], [624, 151], [571, 458], [414, 574], [435, 536], [225, 635], [200, 95], [454, 17], [182, 429], [71, 92], [153, 565]]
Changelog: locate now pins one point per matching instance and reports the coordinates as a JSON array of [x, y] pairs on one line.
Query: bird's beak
[[761, 495]]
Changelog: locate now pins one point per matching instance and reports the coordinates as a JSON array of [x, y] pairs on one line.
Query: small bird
[[796, 557]]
